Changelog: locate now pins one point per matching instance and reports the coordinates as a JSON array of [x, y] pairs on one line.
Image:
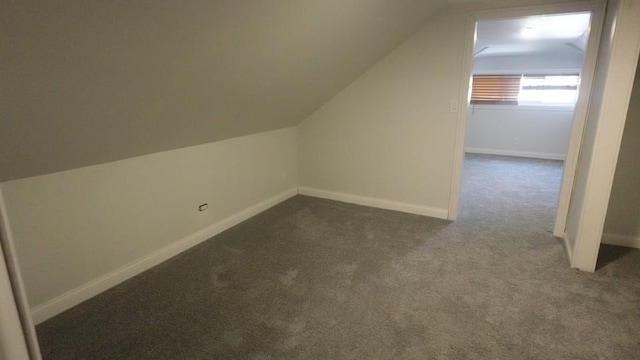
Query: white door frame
[[13, 344], [18, 339], [605, 128], [597, 9]]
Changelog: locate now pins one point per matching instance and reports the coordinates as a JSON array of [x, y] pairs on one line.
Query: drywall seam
[[375, 202], [527, 154], [621, 240], [84, 292]]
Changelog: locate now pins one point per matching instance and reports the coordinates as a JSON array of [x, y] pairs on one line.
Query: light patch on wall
[[564, 26]]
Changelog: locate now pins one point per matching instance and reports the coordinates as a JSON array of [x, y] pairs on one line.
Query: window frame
[[500, 89]]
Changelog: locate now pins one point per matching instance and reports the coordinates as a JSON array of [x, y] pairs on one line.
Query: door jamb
[[597, 9]]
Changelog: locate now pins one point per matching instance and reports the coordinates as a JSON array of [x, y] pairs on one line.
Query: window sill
[[524, 107]]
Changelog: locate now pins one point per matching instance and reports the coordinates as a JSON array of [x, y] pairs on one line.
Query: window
[[550, 89], [495, 89], [530, 89]]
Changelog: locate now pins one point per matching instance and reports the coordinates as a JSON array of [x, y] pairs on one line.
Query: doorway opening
[[524, 87], [529, 79]]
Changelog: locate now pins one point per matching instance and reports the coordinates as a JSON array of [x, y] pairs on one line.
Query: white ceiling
[[560, 33], [90, 82]]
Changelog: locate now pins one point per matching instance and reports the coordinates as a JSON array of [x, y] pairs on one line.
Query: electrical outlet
[[203, 207]]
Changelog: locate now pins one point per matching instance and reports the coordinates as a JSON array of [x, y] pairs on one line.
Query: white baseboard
[[621, 240], [375, 202], [74, 297], [528, 154]]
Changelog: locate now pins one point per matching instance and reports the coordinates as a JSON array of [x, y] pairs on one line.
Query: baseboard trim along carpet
[[375, 202], [621, 240], [527, 154], [82, 293]]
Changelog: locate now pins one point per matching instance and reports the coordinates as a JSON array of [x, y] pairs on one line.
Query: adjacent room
[[526, 77], [279, 179]]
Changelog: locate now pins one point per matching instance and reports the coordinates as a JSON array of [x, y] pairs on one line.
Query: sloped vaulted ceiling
[[87, 82]]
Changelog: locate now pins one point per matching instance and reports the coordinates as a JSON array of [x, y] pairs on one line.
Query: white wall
[[540, 63], [530, 131], [389, 135], [622, 225], [89, 82], [613, 81], [519, 130], [74, 229]]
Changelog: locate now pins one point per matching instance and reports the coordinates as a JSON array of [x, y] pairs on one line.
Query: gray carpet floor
[[319, 279]]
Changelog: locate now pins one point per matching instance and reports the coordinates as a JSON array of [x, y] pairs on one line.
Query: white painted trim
[[523, 107], [84, 292], [13, 344], [17, 283], [521, 11], [526, 154], [375, 202], [461, 122], [610, 121], [579, 118], [567, 247], [559, 71], [621, 240]]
